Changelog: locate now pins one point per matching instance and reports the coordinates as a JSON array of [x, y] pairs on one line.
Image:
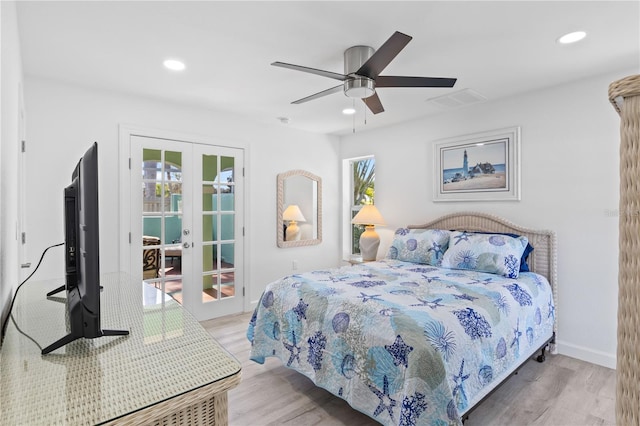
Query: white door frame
[[126, 131], [22, 191]]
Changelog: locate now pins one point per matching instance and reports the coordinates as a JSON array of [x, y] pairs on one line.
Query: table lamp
[[293, 214], [369, 216]]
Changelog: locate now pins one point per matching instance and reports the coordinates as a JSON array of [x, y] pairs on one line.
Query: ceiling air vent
[[457, 99]]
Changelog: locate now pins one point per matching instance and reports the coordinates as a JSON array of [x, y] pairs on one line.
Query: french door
[[187, 222]]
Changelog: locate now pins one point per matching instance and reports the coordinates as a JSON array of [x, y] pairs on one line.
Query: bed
[[423, 335]]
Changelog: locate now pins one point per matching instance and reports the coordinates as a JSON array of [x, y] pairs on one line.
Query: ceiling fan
[[362, 68]]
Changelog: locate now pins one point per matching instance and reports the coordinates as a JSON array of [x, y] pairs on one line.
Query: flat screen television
[[82, 254]]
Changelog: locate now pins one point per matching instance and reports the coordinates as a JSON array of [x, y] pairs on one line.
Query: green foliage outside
[[364, 174]]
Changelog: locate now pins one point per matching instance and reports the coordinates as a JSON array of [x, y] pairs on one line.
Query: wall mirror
[[299, 209]]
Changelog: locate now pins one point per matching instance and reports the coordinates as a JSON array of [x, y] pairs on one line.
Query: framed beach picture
[[478, 167]]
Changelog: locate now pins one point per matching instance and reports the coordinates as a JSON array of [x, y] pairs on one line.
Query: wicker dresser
[[168, 370]]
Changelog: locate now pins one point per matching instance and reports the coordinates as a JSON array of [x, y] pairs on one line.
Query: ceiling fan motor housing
[[362, 68], [358, 86]]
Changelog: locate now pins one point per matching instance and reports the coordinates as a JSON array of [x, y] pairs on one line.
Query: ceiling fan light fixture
[[359, 87], [349, 111]]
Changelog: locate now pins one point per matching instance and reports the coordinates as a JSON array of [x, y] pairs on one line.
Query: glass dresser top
[[90, 381]]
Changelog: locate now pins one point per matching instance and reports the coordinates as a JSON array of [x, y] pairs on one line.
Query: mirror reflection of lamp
[[293, 214], [369, 216]]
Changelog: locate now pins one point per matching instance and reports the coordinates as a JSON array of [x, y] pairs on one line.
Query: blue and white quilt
[[405, 343]]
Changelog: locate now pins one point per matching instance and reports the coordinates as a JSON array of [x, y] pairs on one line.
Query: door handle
[[186, 245]]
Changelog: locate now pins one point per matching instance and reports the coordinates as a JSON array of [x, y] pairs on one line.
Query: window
[[161, 184], [362, 173]]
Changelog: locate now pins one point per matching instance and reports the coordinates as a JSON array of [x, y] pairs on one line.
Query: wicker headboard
[[543, 259]]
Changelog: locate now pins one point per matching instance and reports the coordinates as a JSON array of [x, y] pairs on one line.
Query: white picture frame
[[478, 167]]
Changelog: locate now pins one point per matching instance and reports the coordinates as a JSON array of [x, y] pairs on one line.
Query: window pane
[[356, 231], [227, 202], [151, 163], [364, 174], [173, 166], [227, 284], [227, 165], [227, 227], [208, 198], [150, 257], [161, 180], [173, 196], [209, 167], [209, 258], [151, 173], [227, 255], [150, 203], [210, 288], [208, 227], [363, 190], [172, 229]]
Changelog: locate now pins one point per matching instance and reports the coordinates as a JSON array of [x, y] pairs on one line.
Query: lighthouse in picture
[[465, 165]]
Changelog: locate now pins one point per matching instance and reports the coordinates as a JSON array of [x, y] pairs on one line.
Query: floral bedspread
[[406, 344]]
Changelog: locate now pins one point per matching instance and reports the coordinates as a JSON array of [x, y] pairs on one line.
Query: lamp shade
[[368, 215], [293, 213]]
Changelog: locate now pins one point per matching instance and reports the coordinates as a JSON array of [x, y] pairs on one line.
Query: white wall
[[570, 184], [65, 119], [10, 89]]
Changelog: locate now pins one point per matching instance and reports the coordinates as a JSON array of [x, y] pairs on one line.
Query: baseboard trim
[[586, 354]]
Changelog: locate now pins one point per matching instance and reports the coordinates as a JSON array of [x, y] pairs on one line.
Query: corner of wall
[[11, 77]]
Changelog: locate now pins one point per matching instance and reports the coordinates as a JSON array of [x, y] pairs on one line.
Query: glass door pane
[[187, 202], [219, 229], [218, 226], [162, 219]]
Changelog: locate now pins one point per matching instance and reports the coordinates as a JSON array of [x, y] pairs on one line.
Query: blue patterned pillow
[[495, 253], [419, 245], [524, 266]]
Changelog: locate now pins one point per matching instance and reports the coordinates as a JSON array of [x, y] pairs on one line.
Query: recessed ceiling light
[[174, 65], [349, 111], [572, 37]]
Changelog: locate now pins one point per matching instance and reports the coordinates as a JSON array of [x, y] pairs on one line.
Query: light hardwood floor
[[561, 391]]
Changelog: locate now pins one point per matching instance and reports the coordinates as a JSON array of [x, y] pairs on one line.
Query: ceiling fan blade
[[322, 73], [374, 104], [395, 81], [383, 56], [320, 94]]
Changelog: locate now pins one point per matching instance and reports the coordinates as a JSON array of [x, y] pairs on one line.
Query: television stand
[[78, 318], [61, 288], [57, 290], [71, 337]]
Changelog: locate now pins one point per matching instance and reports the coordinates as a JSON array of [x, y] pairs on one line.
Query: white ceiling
[[497, 49]]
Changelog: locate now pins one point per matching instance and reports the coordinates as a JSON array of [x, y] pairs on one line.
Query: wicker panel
[[628, 356], [543, 259], [622, 89], [205, 406]]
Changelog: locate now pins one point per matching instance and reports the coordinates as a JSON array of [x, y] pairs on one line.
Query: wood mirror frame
[[312, 209]]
